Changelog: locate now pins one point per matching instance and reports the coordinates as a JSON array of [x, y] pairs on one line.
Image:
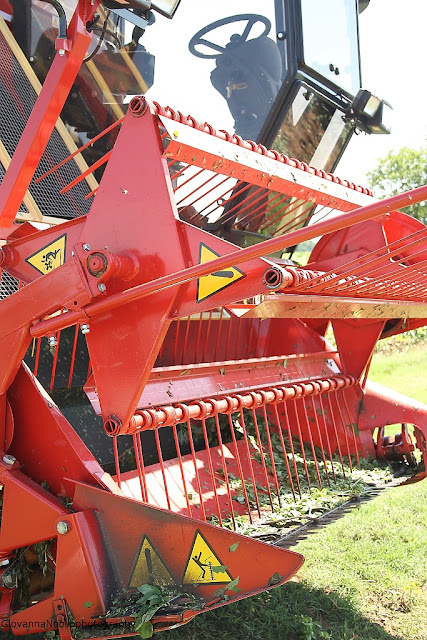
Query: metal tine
[[208, 330], [285, 453], [231, 321], [377, 283], [347, 445], [245, 201], [310, 435], [351, 426], [262, 454], [301, 441], [282, 213], [140, 465], [291, 445], [219, 323], [178, 173], [328, 396], [211, 469], [295, 221], [196, 471], [184, 346], [37, 358], [359, 265], [328, 442], [263, 211], [197, 189], [248, 453], [181, 468], [73, 356], [204, 195], [270, 451], [237, 192], [263, 193], [79, 150], [322, 448], [199, 331], [239, 466], [224, 468], [237, 341], [117, 460], [195, 175], [400, 282], [218, 197], [87, 172], [91, 193], [175, 344], [276, 215], [55, 360], [162, 466]]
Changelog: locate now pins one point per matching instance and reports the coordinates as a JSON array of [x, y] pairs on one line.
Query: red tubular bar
[[169, 415]]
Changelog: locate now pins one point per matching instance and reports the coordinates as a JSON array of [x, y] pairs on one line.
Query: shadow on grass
[[293, 612]]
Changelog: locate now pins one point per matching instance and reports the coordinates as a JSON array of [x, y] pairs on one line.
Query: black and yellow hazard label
[[49, 257], [149, 567], [203, 565], [208, 285]]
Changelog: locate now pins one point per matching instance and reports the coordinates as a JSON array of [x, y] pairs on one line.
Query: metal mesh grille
[[17, 98], [8, 285]]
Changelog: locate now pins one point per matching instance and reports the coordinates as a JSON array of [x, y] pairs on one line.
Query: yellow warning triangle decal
[[149, 567], [212, 283], [203, 565], [50, 257]]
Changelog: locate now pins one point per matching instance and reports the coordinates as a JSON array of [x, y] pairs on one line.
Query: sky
[[393, 56]]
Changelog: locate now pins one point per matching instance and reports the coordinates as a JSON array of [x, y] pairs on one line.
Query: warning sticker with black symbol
[[203, 565], [149, 567], [49, 257]]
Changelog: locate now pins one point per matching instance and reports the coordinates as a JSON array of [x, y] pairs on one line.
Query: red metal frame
[[162, 355]]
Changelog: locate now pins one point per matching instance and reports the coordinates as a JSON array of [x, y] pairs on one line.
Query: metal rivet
[[52, 341], [8, 459], [281, 35], [72, 253], [62, 527], [101, 287], [61, 52], [85, 328], [86, 247]]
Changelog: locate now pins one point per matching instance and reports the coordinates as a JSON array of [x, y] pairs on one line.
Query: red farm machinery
[[166, 382]]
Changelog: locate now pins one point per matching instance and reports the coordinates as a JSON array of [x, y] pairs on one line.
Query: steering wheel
[[250, 18]]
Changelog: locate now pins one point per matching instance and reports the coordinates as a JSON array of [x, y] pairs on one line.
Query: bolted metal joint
[[85, 328], [63, 527], [52, 340], [9, 579], [9, 460]]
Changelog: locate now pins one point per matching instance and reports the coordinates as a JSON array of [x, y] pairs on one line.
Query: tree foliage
[[400, 171]]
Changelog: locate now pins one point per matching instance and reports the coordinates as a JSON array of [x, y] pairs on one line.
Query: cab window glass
[[330, 41]]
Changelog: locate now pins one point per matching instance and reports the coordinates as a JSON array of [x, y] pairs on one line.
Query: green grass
[[365, 576], [404, 371]]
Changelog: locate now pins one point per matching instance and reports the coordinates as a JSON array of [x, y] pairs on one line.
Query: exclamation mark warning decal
[[149, 567]]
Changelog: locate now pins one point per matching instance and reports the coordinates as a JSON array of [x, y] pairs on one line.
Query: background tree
[[400, 171]]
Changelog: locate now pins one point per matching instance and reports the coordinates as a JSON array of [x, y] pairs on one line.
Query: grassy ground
[[365, 576]]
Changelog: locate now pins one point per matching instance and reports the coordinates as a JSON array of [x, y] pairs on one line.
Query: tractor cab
[[286, 75]]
